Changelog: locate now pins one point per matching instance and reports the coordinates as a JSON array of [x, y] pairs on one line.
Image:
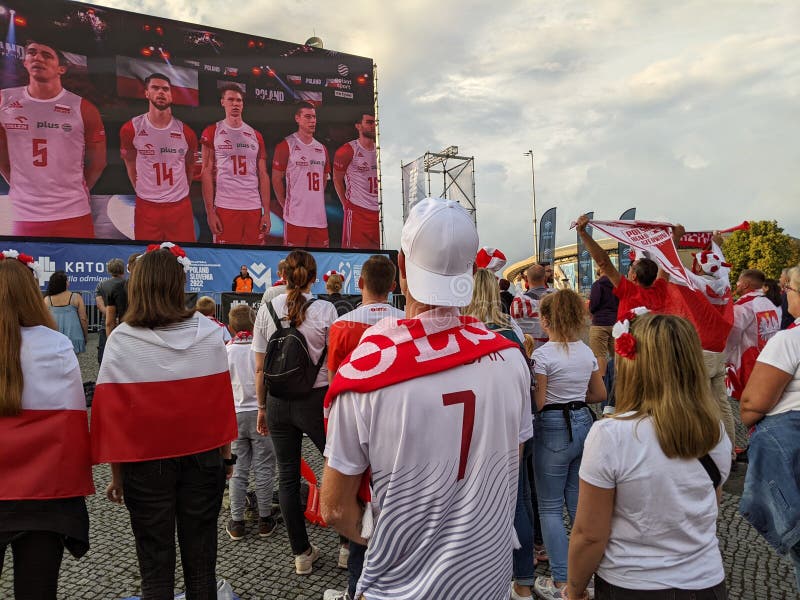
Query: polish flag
[[131, 73], [154, 400], [45, 449]]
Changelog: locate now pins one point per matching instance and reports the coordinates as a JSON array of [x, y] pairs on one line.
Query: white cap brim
[[439, 290]]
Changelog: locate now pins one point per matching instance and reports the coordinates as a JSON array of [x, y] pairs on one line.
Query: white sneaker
[[336, 595], [344, 555], [516, 596], [546, 589], [304, 563]]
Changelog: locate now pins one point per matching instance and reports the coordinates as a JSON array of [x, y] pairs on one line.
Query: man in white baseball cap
[[416, 404]]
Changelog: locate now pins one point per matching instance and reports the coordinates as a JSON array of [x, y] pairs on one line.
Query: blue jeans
[[523, 522], [557, 461], [771, 496]]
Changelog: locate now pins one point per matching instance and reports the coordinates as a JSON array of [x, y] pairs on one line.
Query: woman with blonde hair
[[487, 307], [333, 285], [771, 405], [651, 475], [288, 416], [567, 378], [44, 437]]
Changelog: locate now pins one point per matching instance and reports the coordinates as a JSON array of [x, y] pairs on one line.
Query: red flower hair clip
[[25, 259], [176, 251], [624, 342]]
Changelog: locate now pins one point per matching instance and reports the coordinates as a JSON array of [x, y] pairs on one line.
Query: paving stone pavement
[[263, 569]]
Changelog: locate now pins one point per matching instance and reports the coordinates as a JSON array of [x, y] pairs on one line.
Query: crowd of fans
[[461, 442]]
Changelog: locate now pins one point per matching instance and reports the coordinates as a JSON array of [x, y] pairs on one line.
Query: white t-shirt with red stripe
[[307, 169], [237, 151], [46, 144], [347, 330], [438, 535], [161, 157], [360, 168]]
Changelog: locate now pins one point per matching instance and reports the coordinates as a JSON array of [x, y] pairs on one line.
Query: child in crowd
[[208, 308], [251, 448]]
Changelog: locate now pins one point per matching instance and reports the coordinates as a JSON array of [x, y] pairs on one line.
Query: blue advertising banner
[[213, 269], [585, 274], [623, 250], [547, 236]]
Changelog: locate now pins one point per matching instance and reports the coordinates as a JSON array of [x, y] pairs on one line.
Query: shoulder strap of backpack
[[274, 316], [711, 468]]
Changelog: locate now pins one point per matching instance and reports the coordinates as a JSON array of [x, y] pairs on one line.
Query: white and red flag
[[490, 258], [44, 450], [131, 73], [651, 238], [162, 393]]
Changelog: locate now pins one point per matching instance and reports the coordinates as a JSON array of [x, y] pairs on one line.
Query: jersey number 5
[[39, 152], [467, 398]]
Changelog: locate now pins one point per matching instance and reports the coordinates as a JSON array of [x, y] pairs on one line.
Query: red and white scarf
[[397, 350]]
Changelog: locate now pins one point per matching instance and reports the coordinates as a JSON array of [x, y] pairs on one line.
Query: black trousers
[[287, 421], [606, 591], [37, 561], [187, 492]]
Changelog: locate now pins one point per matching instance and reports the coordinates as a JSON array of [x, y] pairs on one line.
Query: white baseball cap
[[439, 242]]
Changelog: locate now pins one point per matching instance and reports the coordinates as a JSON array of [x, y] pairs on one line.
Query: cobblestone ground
[[263, 569]]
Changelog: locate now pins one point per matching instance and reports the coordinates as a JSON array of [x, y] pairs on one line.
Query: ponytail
[[300, 271]]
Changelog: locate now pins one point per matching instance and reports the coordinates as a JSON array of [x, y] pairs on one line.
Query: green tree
[[764, 246]]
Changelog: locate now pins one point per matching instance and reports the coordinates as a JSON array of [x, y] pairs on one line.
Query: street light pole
[[533, 187]]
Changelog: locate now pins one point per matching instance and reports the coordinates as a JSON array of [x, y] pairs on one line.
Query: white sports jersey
[[46, 143], [360, 168], [307, 169], [160, 157], [236, 155], [242, 365], [437, 534]]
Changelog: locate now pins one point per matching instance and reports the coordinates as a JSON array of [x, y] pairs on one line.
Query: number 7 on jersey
[[467, 398]]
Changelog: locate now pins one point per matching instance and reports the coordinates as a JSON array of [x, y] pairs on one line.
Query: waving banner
[[650, 238], [702, 239]]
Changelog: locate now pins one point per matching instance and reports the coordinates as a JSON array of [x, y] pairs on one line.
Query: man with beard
[[300, 170], [355, 177], [159, 153], [52, 149], [235, 163]]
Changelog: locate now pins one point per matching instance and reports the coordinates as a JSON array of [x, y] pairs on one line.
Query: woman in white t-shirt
[[287, 419], [567, 378], [771, 404], [651, 475]]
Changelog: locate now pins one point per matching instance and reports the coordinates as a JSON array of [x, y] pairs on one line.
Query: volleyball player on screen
[[159, 153], [235, 181], [52, 149], [300, 170], [355, 177]]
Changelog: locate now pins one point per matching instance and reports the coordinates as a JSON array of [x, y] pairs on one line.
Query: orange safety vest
[[243, 285]]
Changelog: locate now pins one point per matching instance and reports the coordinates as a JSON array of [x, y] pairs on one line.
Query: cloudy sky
[[689, 111]]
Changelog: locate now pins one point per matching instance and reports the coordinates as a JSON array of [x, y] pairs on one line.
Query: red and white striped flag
[[131, 73], [157, 399], [44, 450]]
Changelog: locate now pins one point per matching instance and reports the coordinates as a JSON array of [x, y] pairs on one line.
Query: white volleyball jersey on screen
[[306, 167], [160, 158], [360, 168], [444, 454], [46, 143], [237, 151]]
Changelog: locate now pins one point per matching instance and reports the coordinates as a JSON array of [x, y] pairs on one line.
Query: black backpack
[[289, 371]]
